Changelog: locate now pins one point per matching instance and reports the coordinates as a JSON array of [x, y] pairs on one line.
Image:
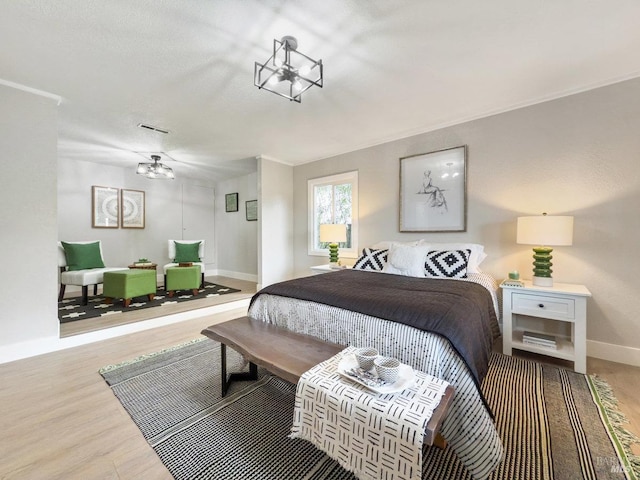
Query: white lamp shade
[[545, 230], [333, 233]]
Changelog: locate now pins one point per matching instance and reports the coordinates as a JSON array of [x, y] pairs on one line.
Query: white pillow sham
[[407, 260]]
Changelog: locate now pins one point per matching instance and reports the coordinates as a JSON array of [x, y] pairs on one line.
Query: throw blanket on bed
[[462, 312]]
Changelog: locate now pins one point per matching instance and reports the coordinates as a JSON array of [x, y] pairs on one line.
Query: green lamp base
[[333, 253], [542, 267]]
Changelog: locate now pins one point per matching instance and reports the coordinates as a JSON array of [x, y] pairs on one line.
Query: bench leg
[[61, 294], [252, 374], [440, 442]]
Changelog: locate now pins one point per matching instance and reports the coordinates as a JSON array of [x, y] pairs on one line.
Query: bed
[[443, 325]]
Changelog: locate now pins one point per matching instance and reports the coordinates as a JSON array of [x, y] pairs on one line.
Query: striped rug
[[554, 423]]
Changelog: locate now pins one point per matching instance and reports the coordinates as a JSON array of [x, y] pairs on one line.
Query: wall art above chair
[[114, 207], [105, 207], [132, 212]]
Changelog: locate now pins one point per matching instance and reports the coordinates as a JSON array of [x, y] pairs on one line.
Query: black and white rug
[[554, 423], [71, 309]]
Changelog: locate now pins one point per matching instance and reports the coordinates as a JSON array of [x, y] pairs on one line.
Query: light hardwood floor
[[59, 420]]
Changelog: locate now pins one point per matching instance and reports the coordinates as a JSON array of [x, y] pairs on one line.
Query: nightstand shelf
[[560, 311], [565, 349]]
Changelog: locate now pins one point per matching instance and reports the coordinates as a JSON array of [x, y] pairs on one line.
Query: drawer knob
[[541, 305]]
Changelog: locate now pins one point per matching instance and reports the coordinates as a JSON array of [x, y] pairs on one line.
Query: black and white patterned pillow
[[372, 260], [447, 263]]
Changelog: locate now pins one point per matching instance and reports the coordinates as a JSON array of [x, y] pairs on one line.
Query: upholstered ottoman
[[183, 278], [127, 284]]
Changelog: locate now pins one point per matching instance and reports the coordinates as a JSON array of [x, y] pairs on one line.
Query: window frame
[[337, 179]]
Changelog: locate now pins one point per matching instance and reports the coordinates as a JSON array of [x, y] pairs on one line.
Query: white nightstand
[[318, 269], [560, 311]]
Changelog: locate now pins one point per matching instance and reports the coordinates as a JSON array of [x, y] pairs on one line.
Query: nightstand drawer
[[543, 306]]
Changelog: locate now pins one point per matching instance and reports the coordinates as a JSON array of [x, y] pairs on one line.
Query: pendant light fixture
[[288, 72], [155, 170]]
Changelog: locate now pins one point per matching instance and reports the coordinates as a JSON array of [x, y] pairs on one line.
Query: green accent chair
[[183, 278], [128, 284], [182, 251], [81, 264]]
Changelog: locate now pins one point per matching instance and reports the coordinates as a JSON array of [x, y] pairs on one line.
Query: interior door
[[198, 218]]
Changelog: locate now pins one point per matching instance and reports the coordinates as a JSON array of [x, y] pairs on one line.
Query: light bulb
[[297, 85], [305, 70]]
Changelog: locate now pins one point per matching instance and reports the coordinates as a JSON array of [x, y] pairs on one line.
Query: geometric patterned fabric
[[374, 260], [447, 263], [547, 417], [373, 435]]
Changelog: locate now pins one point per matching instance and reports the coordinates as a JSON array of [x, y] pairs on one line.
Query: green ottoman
[[127, 284], [183, 278]]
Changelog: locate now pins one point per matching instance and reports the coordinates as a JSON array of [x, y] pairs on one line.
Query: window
[[334, 199]]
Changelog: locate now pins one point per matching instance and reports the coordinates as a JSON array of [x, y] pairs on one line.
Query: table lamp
[[544, 231], [333, 233]]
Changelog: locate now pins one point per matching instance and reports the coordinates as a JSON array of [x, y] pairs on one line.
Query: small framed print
[[231, 202], [251, 207], [433, 191], [132, 212], [105, 208]]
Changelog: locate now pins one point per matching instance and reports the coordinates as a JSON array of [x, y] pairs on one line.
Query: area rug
[[554, 423], [71, 309]]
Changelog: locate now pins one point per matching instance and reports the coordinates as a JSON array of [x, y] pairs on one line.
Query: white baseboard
[[614, 353], [249, 277], [10, 353]]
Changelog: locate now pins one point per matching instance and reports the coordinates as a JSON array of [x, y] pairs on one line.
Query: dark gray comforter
[[460, 311]]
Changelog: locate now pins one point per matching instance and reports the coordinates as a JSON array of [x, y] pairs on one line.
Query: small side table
[[143, 266], [560, 311]]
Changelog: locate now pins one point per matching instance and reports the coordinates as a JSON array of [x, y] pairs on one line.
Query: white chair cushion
[[91, 276]]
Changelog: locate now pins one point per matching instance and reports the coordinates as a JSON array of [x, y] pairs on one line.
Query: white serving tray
[[405, 379]]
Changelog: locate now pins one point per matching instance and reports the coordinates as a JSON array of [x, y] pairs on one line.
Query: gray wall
[[275, 222], [578, 155], [28, 146], [237, 238]]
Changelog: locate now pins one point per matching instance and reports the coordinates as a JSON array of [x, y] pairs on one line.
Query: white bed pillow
[[475, 259], [407, 260], [385, 244]]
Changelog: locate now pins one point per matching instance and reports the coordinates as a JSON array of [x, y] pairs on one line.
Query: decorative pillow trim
[[372, 260], [447, 263]]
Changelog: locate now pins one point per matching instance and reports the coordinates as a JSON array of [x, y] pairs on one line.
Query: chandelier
[[288, 72], [155, 169]]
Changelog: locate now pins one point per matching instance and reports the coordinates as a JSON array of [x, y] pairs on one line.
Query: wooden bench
[[288, 355]]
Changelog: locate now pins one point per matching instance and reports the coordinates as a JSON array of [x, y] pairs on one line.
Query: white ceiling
[[393, 68]]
